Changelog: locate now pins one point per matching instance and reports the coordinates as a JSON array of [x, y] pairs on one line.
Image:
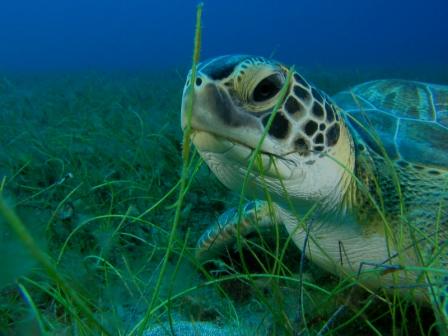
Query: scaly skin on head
[[308, 156], [310, 145]]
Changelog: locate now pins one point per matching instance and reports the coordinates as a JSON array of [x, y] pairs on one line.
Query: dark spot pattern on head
[[292, 106], [330, 112], [319, 148], [319, 139], [322, 127], [333, 135], [302, 146], [317, 110], [310, 127], [280, 125], [299, 79], [301, 93], [317, 95]]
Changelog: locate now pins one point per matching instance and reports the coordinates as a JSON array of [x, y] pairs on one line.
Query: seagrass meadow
[[103, 200], [90, 166]]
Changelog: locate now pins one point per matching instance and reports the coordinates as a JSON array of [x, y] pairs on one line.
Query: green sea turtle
[[369, 167]]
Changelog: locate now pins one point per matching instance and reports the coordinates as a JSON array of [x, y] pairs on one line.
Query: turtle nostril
[[198, 81]]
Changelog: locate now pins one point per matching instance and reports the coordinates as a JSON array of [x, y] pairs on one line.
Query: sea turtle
[[367, 167]]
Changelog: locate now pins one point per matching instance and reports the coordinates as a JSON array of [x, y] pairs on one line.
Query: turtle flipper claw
[[255, 215]]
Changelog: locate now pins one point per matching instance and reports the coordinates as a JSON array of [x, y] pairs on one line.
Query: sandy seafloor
[[88, 162]]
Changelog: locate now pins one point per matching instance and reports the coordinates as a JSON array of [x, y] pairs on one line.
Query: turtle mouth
[[231, 160], [229, 143], [211, 142]]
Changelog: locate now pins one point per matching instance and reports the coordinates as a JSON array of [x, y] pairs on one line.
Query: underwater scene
[[224, 168]]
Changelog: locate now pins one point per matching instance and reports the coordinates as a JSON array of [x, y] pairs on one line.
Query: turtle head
[[307, 149]]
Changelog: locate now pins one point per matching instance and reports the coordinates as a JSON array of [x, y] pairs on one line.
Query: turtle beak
[[212, 108]]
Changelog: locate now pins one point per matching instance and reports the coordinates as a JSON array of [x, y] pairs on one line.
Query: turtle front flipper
[[255, 216]]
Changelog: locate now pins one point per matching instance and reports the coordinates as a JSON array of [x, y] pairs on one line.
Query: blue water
[[144, 34]]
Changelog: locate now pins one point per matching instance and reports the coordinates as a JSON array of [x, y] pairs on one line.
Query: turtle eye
[[267, 88]]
